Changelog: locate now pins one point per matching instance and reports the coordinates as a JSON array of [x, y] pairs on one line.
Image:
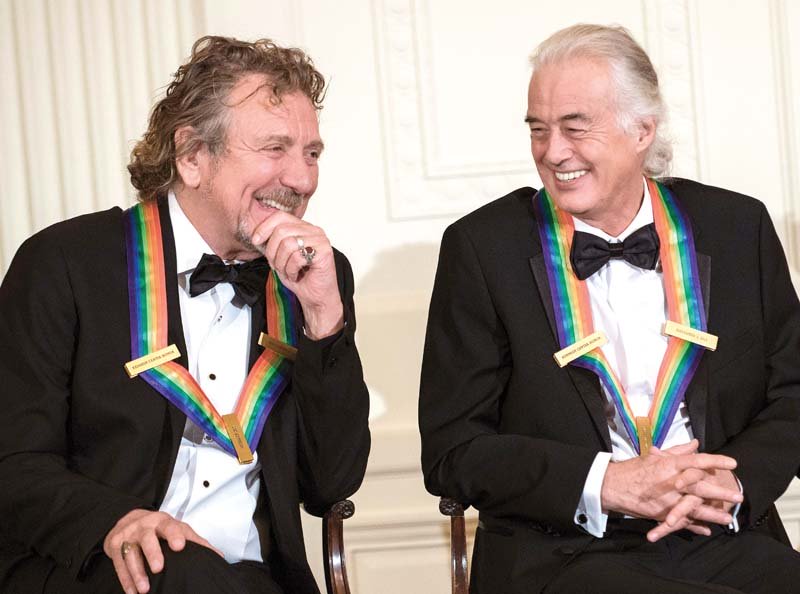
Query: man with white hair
[[648, 455]]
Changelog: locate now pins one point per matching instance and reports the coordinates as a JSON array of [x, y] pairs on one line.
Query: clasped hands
[[678, 487]]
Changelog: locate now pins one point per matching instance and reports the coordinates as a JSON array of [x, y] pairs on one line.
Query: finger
[[683, 509], [294, 265], [663, 529], [134, 561], [286, 235], [174, 532], [684, 448], [123, 575], [700, 529], [712, 515], [712, 492], [191, 535], [151, 549], [689, 477], [284, 243], [705, 462], [266, 228]]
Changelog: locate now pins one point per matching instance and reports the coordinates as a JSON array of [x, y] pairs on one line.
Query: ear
[[193, 157], [645, 134]]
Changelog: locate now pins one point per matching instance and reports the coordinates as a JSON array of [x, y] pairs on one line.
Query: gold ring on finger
[[125, 549]]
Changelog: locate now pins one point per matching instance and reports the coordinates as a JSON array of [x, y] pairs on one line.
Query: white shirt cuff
[[735, 511], [589, 514]]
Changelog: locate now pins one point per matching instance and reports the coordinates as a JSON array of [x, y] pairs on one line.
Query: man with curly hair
[[179, 376]]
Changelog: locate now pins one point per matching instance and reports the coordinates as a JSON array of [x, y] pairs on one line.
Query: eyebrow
[[317, 145], [570, 117]]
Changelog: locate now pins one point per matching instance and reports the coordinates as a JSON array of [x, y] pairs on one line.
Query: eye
[[274, 148]]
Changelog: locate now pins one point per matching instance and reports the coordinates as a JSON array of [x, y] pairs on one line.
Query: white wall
[[423, 122]]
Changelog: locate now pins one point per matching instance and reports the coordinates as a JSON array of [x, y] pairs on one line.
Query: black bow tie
[[248, 278], [589, 253]]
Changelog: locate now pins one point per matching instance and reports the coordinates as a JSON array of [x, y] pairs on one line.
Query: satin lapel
[[177, 420], [586, 383], [696, 396]]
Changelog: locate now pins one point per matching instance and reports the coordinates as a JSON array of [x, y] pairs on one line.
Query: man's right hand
[[653, 485], [141, 530]]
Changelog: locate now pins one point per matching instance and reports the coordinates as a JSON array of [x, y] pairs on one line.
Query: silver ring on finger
[[125, 548], [300, 243], [308, 253]]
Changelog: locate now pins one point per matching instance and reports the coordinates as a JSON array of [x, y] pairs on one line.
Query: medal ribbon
[[147, 297], [573, 312]]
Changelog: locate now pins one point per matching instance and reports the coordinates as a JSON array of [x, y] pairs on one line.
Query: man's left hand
[[313, 280], [700, 489]]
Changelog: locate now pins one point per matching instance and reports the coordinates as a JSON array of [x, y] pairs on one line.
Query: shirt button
[[207, 439], [212, 376], [206, 484], [582, 519]]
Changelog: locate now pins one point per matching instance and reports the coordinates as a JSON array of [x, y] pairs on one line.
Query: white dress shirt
[[209, 489], [629, 306]]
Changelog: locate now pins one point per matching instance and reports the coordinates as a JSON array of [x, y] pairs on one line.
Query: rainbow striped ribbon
[[147, 297], [573, 312]]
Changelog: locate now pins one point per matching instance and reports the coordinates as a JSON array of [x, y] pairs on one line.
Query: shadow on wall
[[392, 301]]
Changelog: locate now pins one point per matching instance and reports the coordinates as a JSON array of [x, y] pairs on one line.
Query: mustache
[[284, 196]]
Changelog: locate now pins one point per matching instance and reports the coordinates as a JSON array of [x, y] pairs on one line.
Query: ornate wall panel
[[78, 79]]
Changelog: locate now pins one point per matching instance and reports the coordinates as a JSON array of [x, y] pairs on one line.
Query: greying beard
[[284, 197]]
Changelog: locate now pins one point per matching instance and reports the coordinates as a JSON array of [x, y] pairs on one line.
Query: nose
[[299, 173], [558, 148]]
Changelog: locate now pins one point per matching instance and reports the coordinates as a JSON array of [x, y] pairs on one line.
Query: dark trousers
[[683, 563], [195, 570]]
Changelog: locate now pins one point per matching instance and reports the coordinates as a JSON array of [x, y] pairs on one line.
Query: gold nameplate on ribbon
[[645, 432], [236, 434], [137, 366], [584, 345], [273, 344], [704, 339]]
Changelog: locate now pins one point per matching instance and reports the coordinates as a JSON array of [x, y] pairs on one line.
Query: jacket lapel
[[586, 383], [175, 421], [696, 396]]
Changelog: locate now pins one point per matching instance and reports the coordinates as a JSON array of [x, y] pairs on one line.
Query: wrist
[[323, 321]]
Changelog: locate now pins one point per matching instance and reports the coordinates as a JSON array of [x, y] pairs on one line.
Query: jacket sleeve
[[467, 365], [768, 449], [44, 505], [332, 409]]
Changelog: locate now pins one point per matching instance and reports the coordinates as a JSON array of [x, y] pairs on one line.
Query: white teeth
[[274, 204], [570, 175]]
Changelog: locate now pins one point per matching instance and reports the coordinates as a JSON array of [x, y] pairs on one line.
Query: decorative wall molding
[[424, 182], [78, 80], [668, 41], [786, 67], [421, 181]]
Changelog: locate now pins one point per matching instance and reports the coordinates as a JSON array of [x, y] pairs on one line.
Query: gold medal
[[273, 344], [236, 434], [645, 432]]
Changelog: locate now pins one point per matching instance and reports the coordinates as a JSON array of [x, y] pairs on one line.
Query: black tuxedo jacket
[[81, 444], [506, 430]]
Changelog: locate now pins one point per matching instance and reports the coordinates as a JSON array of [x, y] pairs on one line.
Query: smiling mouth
[[282, 199], [566, 176]]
